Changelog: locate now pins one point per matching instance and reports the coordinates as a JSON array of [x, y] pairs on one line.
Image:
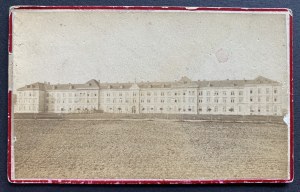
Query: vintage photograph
[[150, 94]]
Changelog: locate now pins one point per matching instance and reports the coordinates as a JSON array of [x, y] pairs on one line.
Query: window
[[232, 93], [258, 109], [275, 99], [267, 90], [201, 93], [232, 100], [200, 109], [258, 99], [240, 108], [216, 100], [207, 100], [267, 108], [148, 94], [251, 99], [200, 100], [162, 100], [275, 91], [224, 100], [208, 109], [162, 93], [241, 99], [258, 90], [216, 109], [251, 91], [224, 93], [267, 98], [120, 94], [224, 109], [216, 93], [240, 92], [148, 101], [208, 93]]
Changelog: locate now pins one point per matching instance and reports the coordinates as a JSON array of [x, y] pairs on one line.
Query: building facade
[[260, 96]]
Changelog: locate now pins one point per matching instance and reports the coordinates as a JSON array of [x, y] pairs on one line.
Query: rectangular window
[[241, 99], [232, 93], [258, 90], [216, 109], [208, 93], [267, 90], [224, 109], [216, 93], [224, 93], [240, 92], [232, 100]]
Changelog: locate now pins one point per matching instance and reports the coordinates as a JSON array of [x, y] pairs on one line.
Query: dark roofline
[[94, 84]]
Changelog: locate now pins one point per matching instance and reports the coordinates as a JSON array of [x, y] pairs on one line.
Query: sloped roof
[[33, 86], [184, 82]]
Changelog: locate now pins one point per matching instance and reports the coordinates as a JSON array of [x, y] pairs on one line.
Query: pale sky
[[110, 46]]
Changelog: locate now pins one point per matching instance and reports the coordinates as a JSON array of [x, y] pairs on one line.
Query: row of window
[[27, 101], [29, 94], [190, 100], [27, 108], [240, 109], [251, 91], [240, 99], [70, 100], [80, 94], [70, 109]]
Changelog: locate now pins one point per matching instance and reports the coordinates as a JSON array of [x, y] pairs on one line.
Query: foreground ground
[[162, 149]]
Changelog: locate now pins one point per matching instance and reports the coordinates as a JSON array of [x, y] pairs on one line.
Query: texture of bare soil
[[156, 149]]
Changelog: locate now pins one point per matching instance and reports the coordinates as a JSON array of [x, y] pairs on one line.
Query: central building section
[[150, 97]]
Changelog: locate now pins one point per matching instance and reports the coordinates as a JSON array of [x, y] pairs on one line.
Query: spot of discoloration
[[222, 55]]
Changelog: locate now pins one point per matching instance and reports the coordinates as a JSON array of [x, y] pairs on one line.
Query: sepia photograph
[[157, 94]]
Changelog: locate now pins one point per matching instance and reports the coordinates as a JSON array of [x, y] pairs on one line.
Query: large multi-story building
[[260, 96]]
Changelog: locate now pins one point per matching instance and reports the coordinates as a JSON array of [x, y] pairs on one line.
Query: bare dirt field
[[149, 149]]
